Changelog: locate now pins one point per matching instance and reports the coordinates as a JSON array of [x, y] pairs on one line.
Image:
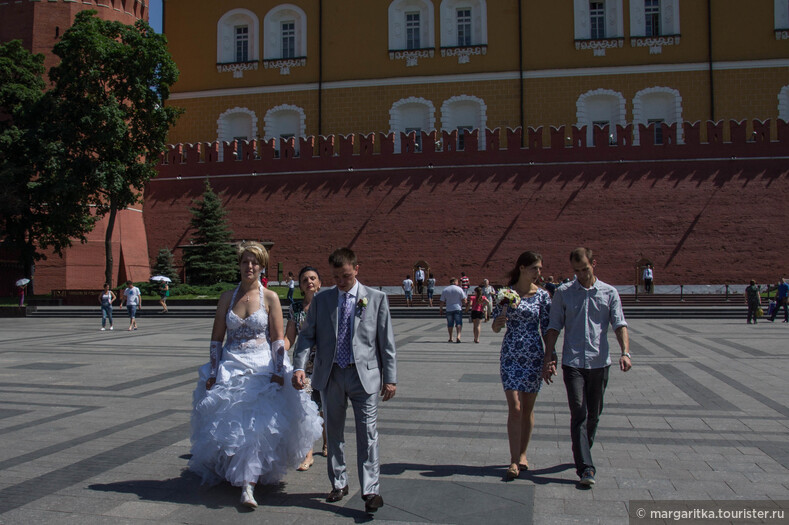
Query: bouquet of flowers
[[508, 296]]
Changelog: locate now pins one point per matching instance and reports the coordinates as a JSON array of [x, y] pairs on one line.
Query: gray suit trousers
[[344, 384]]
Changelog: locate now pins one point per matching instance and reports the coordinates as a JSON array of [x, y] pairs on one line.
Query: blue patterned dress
[[522, 350]]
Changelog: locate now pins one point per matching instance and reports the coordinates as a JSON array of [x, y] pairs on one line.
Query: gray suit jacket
[[373, 339]]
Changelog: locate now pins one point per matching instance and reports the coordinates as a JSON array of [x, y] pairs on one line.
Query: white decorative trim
[[782, 34], [781, 11], [464, 53], [447, 116], [396, 17], [222, 132], [225, 36], [479, 22], [395, 119], [783, 104], [639, 118], [655, 44], [599, 46], [284, 65], [237, 68], [582, 114], [411, 57], [488, 77], [272, 31], [269, 132]]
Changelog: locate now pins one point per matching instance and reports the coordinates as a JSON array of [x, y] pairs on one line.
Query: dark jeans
[[752, 312], [419, 285], [779, 304], [585, 390], [648, 285]]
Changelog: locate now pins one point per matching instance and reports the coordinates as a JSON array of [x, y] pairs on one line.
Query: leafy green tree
[[40, 206], [108, 111], [164, 265], [212, 257]]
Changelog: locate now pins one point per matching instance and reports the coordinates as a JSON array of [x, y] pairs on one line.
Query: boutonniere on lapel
[[361, 306]]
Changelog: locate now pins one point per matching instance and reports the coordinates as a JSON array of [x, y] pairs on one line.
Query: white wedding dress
[[247, 428]]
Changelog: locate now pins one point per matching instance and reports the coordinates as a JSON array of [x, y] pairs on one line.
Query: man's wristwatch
[[626, 354]]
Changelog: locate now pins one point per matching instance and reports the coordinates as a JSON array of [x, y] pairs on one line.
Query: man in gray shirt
[[585, 308]]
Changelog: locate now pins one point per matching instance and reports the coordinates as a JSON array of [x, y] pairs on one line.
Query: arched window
[[411, 114], [653, 18], [236, 124], [283, 122], [464, 23], [237, 37], [464, 112], [285, 33], [656, 105], [597, 20], [601, 107], [783, 104], [411, 25]]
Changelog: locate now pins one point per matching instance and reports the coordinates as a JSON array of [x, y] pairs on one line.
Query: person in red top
[[478, 306]]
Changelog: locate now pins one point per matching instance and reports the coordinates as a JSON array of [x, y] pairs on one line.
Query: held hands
[[298, 380], [548, 371], [388, 391], [211, 381], [277, 379]]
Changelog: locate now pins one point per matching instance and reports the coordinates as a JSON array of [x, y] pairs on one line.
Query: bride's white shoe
[[247, 496]]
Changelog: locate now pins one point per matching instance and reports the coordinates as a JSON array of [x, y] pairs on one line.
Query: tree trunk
[[108, 246], [29, 265]]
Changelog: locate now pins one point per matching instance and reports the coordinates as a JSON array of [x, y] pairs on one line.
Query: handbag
[[759, 313]]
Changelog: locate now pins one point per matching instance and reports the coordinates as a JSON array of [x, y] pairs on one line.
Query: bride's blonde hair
[[256, 249]]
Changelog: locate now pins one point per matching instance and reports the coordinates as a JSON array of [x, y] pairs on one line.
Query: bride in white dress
[[248, 428]]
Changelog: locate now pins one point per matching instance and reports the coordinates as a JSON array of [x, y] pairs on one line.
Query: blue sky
[[155, 14]]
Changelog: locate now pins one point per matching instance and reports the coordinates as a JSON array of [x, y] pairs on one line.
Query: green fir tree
[[212, 256], [164, 265]]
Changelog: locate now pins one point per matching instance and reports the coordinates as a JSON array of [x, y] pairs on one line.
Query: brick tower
[[39, 25]]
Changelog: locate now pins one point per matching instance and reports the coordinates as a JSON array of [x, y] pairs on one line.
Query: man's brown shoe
[[337, 494], [372, 502]]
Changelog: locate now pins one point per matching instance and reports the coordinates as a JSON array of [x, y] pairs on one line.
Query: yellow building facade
[[266, 69]]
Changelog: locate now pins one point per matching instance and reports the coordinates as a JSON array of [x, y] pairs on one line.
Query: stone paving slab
[[94, 429]]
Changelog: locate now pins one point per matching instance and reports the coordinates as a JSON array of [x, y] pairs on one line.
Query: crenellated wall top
[[565, 145]]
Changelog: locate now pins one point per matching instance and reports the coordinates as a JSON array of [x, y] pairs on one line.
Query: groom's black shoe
[[337, 494], [372, 502]]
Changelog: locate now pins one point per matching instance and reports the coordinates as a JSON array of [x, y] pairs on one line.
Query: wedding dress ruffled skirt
[[247, 428]]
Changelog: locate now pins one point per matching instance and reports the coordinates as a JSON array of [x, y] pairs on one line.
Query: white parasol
[[161, 278], [22, 282]]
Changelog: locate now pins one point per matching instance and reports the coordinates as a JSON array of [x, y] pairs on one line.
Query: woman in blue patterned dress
[[522, 353]]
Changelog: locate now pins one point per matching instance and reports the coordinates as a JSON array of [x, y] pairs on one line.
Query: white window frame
[[226, 35], [594, 14], [783, 104], [449, 22], [781, 15], [270, 130], [614, 19], [396, 125], [449, 121], [397, 28], [224, 133], [413, 30], [582, 112], [241, 38], [640, 118], [272, 31], [288, 35], [669, 18]]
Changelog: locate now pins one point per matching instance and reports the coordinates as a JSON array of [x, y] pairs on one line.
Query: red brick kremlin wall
[[702, 212]]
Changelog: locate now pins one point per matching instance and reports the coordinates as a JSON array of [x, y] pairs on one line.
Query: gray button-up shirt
[[585, 314]]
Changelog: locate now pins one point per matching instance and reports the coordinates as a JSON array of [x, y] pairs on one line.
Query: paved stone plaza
[[95, 429]]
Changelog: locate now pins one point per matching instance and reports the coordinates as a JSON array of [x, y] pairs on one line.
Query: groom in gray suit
[[355, 359]]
